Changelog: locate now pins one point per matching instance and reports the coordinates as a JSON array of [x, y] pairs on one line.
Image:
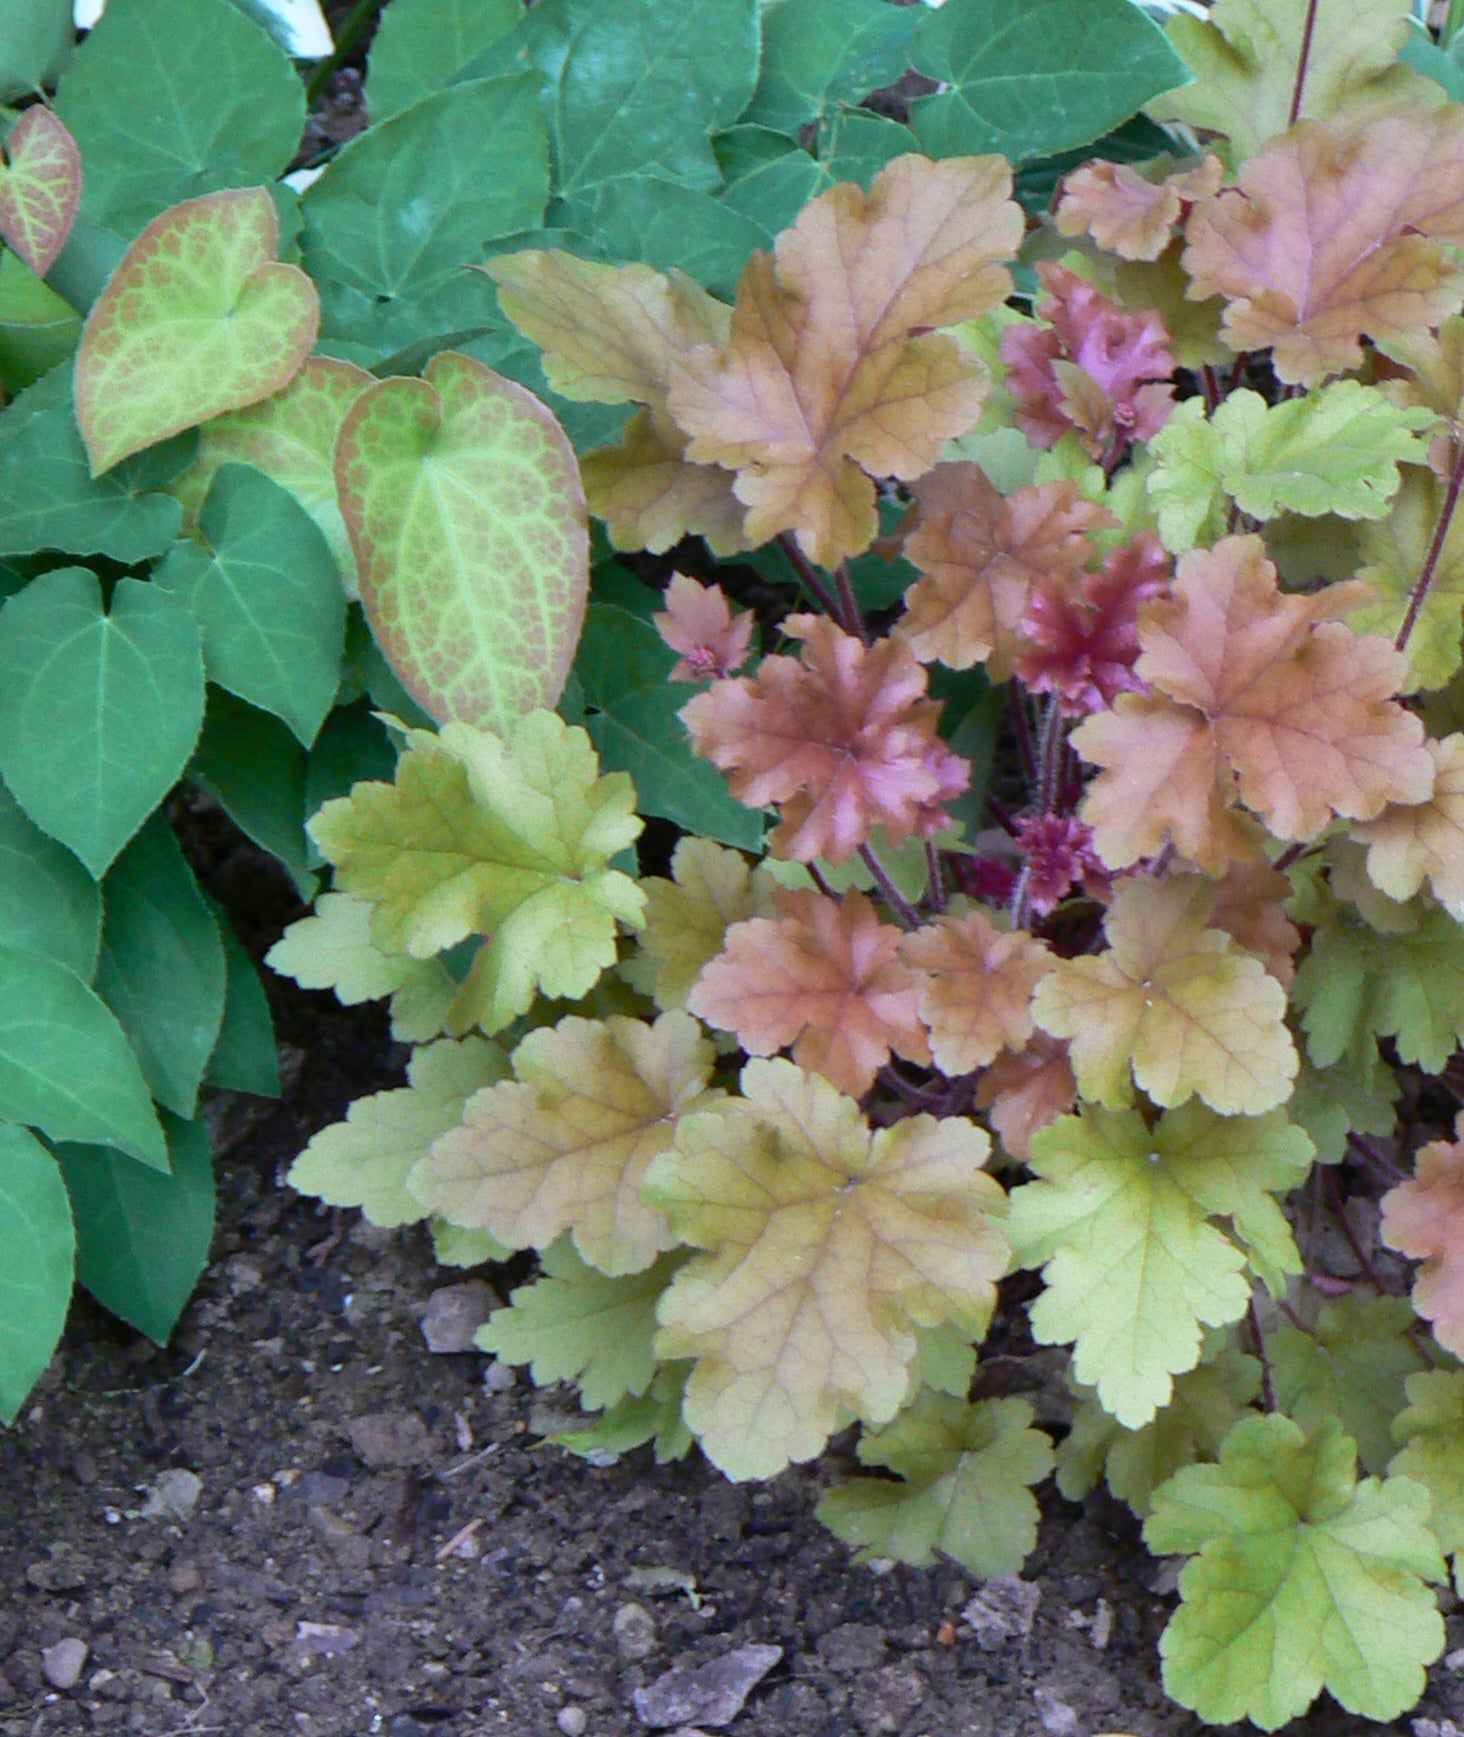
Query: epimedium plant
[[1091, 904]]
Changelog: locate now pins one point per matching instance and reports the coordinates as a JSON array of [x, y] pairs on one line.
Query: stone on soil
[[712, 1694], [454, 1313], [64, 1662]]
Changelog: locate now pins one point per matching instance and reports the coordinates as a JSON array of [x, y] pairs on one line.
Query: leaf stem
[[1268, 1380], [1302, 62], [1050, 757], [1364, 1260], [853, 620], [893, 897], [1435, 551], [923, 1097], [345, 41], [810, 578], [936, 872]]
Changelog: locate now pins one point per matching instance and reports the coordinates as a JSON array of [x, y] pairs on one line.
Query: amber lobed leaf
[[1332, 236], [1025, 1091], [1423, 1218], [826, 976], [1257, 697], [1405, 845], [40, 187], [844, 740], [977, 992], [688, 916], [983, 556], [827, 1247], [1172, 1002], [1127, 214], [833, 374], [565, 1144], [614, 335]]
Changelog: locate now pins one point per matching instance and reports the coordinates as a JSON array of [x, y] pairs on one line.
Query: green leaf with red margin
[[40, 187], [198, 319], [463, 502]]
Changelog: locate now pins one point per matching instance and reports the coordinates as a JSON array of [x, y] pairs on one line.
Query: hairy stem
[[853, 620], [811, 580], [1302, 61], [908, 916], [1050, 757], [936, 872], [1435, 552]]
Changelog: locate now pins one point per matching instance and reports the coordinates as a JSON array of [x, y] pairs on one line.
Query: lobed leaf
[[1430, 1437], [978, 985], [1405, 845], [1422, 1219], [1390, 558], [688, 917]]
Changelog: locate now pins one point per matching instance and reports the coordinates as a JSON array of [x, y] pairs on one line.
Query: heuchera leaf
[[199, 318], [1175, 1001], [1121, 1224], [1422, 1218], [1334, 236], [699, 623], [1405, 844], [983, 556], [462, 499], [1392, 555], [1430, 1434], [831, 375], [1127, 214], [654, 1416], [827, 1247], [1304, 1579], [688, 916], [844, 740], [505, 836], [1026, 1090], [976, 996], [40, 187], [564, 1145], [963, 1494], [1255, 61], [1337, 450], [825, 976], [1255, 695], [365, 1160]]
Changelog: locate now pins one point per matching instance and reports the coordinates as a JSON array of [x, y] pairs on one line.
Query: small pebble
[[184, 1577], [454, 1314], [635, 1632], [64, 1662], [499, 1377], [572, 1721], [173, 1496]]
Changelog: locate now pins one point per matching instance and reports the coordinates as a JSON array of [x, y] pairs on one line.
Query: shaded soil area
[[296, 1521]]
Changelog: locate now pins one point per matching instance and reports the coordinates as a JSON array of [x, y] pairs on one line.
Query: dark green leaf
[[820, 52], [623, 667], [65, 1065], [854, 145], [422, 44], [142, 1239], [971, 720], [667, 225], [37, 329], [37, 1250], [1134, 142], [354, 745], [769, 178], [1030, 78], [245, 1058], [48, 902], [267, 597], [1444, 66], [98, 711], [255, 769], [35, 43], [504, 348], [162, 965], [172, 98]]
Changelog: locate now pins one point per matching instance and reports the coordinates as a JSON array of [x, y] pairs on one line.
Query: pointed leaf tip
[[40, 187]]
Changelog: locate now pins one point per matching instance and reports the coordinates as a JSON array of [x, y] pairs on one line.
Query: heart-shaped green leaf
[[199, 318], [35, 1264], [40, 187], [463, 502], [99, 711]]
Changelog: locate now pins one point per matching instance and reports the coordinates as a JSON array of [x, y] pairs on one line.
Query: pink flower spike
[[1059, 852], [699, 623]]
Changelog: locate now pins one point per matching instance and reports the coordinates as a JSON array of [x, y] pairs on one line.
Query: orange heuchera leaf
[[825, 976], [1127, 215], [1424, 1219], [983, 557], [613, 335], [845, 741], [40, 187], [1176, 1002], [979, 979], [1256, 696], [1250, 904], [698, 622], [833, 374], [1335, 235], [827, 1248], [1405, 844], [1024, 1091]]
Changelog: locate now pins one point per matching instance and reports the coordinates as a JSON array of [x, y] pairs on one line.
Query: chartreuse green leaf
[[245, 1058], [40, 187], [1356, 984], [65, 1065], [1304, 1579], [816, 53], [1391, 555], [37, 328], [172, 98], [624, 668], [463, 502], [1430, 1438], [509, 837], [576, 1324], [364, 1160], [35, 43], [1206, 1404], [421, 44], [964, 1495], [99, 710], [1351, 1366], [199, 318], [410, 202], [49, 498], [37, 1251], [652, 1416], [1336, 450], [142, 1237], [162, 969], [1121, 1220], [48, 902], [1032, 77], [633, 86], [267, 597]]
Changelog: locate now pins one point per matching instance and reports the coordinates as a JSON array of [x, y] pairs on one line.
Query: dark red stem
[[1302, 62], [1435, 551]]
